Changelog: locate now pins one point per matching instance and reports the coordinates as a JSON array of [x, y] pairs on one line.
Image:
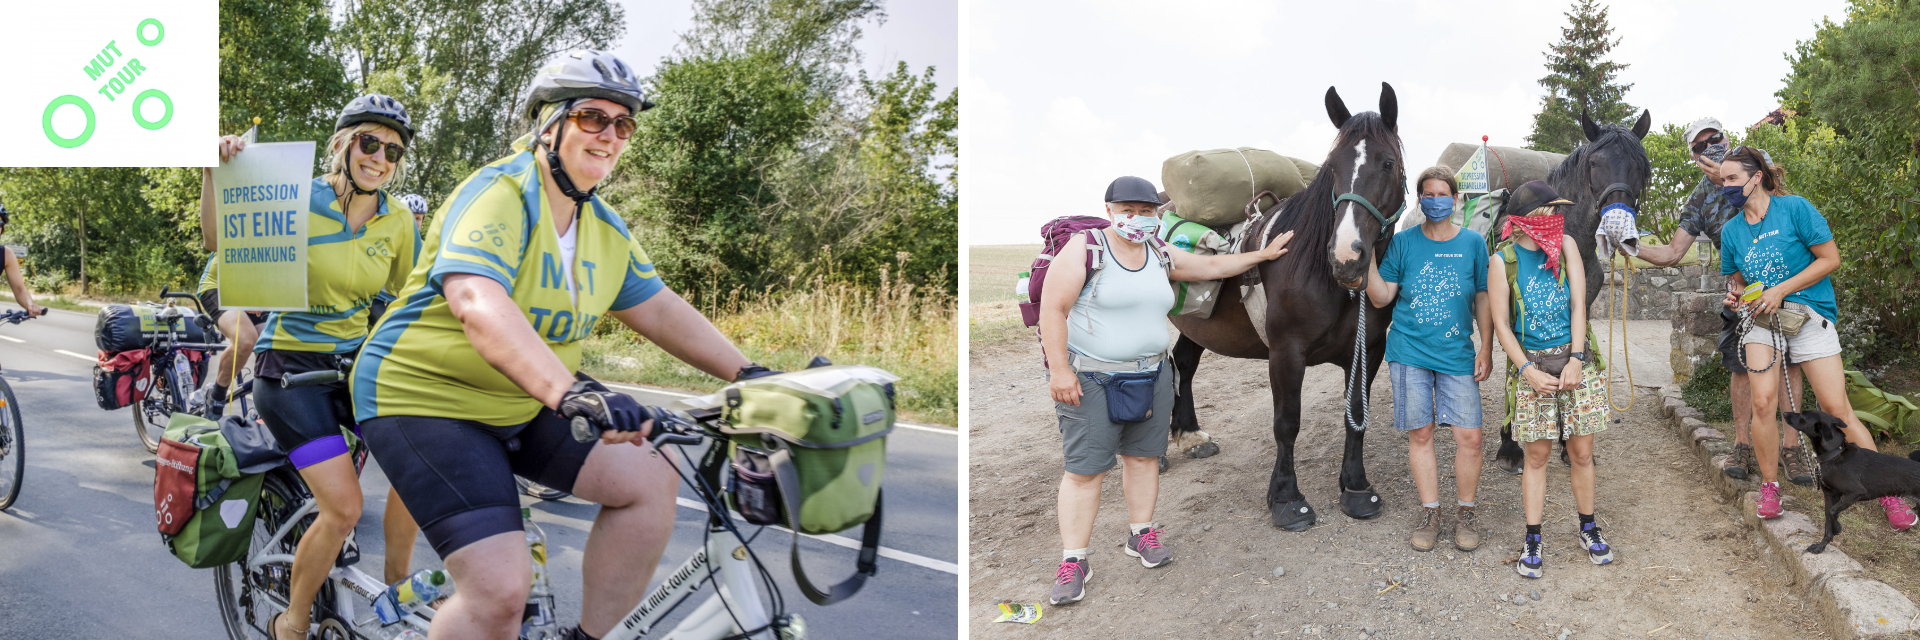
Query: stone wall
[[1679, 294]]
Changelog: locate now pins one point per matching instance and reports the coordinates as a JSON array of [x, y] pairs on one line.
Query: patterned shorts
[[1583, 409]]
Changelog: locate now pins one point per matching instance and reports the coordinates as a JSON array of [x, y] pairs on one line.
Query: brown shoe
[[1466, 536], [1740, 465], [1428, 533], [1795, 461]]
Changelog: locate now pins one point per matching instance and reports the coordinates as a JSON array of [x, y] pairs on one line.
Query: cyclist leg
[[400, 530], [456, 481], [243, 335], [304, 421], [635, 489]]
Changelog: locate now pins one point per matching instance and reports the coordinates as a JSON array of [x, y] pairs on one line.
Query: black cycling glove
[[752, 371], [605, 409]]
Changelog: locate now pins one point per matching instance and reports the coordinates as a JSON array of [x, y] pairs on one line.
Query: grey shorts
[[1090, 441]]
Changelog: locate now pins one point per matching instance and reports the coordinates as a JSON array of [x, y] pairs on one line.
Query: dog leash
[[1780, 357]]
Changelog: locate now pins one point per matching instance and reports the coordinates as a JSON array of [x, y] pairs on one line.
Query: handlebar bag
[[821, 436], [225, 500], [121, 379]]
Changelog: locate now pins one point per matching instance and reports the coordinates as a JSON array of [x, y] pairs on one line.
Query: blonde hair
[[1544, 210], [340, 144]]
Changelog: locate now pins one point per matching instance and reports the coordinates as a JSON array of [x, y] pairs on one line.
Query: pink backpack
[[1056, 234]]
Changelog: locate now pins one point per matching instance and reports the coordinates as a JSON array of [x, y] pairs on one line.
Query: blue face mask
[[1736, 196], [1436, 208]]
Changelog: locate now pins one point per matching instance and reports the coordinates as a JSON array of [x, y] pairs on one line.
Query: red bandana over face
[[1546, 231]]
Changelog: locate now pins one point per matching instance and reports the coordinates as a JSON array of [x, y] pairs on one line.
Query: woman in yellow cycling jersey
[[471, 376], [359, 240]]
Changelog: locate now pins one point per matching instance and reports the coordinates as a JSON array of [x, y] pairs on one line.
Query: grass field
[[992, 314]]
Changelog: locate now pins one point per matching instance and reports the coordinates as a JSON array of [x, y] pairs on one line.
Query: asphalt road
[[79, 556]]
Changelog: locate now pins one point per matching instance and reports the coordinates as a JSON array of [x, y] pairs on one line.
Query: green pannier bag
[[809, 451], [219, 517]]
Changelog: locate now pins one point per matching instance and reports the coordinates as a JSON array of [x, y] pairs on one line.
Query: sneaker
[[1466, 536], [1070, 582], [1530, 558], [1428, 532], [1898, 514], [1741, 464], [1795, 461], [1146, 546], [1769, 500], [1597, 548]]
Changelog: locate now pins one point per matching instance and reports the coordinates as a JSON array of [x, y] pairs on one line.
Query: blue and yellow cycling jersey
[[210, 278], [346, 269], [497, 225]]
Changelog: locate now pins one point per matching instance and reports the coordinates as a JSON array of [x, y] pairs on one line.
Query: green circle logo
[[46, 120], [159, 32], [164, 100]]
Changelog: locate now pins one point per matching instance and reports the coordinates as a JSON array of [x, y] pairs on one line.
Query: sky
[[922, 33], [1064, 96]]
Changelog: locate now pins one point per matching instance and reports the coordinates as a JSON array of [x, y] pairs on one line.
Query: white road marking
[[11, 339], [76, 355], [909, 558], [681, 394]]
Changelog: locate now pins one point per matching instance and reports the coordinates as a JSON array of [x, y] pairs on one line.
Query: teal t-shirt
[[1548, 321], [1778, 248], [1433, 315]]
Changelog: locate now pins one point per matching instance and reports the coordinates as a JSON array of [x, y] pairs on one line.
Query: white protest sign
[[1473, 176], [261, 203]]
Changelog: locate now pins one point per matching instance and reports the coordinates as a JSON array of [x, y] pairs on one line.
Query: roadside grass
[[993, 315], [57, 302], [896, 328]]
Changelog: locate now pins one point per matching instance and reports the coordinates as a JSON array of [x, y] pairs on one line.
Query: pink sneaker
[[1769, 500], [1898, 514]]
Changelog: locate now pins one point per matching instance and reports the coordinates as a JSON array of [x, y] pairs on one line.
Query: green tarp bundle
[[1507, 167], [1213, 187]]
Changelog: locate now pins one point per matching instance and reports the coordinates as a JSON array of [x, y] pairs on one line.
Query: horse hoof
[[1360, 505], [1817, 547], [1203, 450], [1164, 464], [1294, 516], [1510, 465]]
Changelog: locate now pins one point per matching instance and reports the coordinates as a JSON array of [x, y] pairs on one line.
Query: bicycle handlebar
[[17, 316], [312, 378], [672, 427]]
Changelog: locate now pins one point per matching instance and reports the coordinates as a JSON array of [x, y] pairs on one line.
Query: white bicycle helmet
[[415, 202], [380, 109], [585, 74]]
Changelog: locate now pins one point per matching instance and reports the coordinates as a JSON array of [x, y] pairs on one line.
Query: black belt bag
[[1129, 393]]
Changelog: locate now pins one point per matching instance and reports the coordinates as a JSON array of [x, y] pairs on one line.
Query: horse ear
[[1644, 124], [1337, 109], [1389, 107], [1588, 127]]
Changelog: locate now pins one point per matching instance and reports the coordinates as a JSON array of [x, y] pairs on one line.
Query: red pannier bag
[[121, 379]]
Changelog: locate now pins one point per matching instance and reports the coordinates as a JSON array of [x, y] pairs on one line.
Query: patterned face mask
[[1716, 152], [1138, 228]]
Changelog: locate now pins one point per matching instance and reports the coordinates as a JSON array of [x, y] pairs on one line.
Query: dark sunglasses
[[370, 144], [595, 121], [1701, 147]]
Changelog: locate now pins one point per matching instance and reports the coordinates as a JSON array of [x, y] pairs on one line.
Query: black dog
[[1849, 474]]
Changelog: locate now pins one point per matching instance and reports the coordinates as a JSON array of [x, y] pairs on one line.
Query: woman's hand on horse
[[231, 146], [1065, 387], [1276, 247]]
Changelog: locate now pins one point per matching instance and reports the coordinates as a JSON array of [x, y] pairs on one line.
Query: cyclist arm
[[21, 293], [209, 223], [668, 321], [498, 330]]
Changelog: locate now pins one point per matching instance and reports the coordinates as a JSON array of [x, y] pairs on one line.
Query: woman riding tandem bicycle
[[471, 378], [357, 243]]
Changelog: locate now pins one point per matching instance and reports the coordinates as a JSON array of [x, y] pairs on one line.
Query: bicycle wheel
[[150, 415], [13, 463], [249, 597], [538, 490]]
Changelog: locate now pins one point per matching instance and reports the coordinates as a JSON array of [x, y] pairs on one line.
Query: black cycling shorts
[[456, 476], [210, 302], [305, 421]]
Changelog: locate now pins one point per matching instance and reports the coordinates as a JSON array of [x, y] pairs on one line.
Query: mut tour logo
[[116, 72]]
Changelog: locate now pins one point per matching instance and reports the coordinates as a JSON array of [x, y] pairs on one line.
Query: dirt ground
[[1685, 566]]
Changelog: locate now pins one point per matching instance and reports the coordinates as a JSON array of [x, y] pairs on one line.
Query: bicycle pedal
[[349, 552]]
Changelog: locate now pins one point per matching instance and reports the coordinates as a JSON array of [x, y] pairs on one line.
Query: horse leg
[[1357, 498], [1185, 432], [1510, 456], [1289, 508]]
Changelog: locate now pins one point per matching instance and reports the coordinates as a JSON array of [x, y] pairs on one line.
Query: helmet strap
[[560, 177]]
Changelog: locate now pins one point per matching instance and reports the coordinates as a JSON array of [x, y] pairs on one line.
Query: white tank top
[[1123, 316]]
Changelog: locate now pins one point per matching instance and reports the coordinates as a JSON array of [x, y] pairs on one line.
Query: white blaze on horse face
[[1348, 232]]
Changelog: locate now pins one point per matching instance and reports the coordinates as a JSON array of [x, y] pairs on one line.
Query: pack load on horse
[[1210, 195], [1307, 308], [1487, 174], [1604, 178]]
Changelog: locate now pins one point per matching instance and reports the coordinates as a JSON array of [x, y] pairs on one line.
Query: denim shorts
[[1422, 397]]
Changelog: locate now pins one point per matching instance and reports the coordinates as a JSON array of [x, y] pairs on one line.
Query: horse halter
[[1632, 194], [1386, 222]]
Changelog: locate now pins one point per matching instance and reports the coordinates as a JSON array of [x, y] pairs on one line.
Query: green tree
[[1674, 178], [276, 64], [93, 227], [1580, 79]]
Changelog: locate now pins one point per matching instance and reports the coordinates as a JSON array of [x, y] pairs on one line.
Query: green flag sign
[[262, 207], [1473, 176]]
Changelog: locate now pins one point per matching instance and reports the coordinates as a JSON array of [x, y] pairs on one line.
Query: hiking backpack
[[1055, 235]]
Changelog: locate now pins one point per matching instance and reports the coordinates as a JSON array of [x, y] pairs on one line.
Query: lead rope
[[1779, 344], [1616, 309], [1353, 372]]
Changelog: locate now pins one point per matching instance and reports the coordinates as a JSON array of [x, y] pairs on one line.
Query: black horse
[[1312, 312], [1612, 167]]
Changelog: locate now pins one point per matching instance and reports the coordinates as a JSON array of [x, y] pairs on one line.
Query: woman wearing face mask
[[1554, 389], [1781, 242], [359, 239], [1117, 324], [1430, 354]]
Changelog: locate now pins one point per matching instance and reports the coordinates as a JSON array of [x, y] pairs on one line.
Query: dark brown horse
[[1611, 168], [1312, 310]]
